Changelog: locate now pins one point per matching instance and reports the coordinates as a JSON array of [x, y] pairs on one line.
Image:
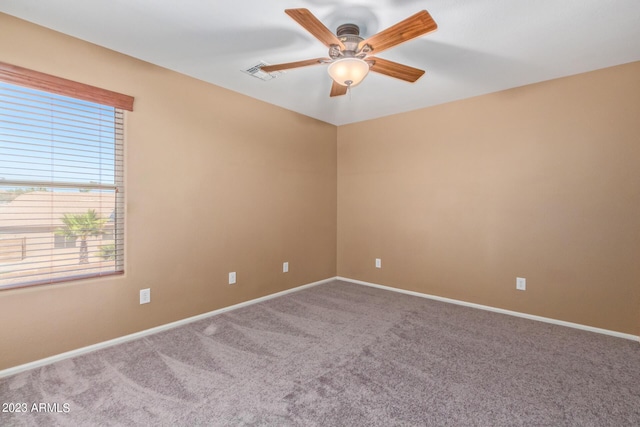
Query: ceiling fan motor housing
[[349, 35]]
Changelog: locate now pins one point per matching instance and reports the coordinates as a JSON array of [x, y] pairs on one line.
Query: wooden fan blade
[[297, 64], [393, 69], [412, 27], [312, 24], [338, 90]]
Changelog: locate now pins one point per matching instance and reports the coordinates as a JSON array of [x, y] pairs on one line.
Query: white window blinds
[[61, 187]]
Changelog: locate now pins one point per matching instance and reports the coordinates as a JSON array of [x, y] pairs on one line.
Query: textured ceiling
[[481, 46]]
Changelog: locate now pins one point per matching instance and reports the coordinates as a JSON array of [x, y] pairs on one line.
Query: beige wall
[[541, 182], [216, 182]]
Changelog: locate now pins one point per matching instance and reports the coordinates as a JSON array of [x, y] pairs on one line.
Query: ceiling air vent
[[256, 72]]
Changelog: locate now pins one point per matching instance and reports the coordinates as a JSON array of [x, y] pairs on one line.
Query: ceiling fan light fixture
[[348, 71]]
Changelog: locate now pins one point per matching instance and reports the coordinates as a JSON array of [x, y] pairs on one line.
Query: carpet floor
[[341, 354]]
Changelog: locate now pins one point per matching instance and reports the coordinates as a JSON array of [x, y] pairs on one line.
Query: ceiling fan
[[350, 57]]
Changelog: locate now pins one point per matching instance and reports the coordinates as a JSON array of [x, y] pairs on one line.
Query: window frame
[[19, 76]]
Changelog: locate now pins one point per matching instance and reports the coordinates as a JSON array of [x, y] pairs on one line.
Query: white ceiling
[[481, 46]]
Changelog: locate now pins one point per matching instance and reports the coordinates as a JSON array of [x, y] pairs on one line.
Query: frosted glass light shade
[[348, 71]]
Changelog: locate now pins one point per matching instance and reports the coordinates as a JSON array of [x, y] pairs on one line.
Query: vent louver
[[256, 71]]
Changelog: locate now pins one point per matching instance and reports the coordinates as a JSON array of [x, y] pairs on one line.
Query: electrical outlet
[[285, 267], [232, 277], [145, 296], [521, 283], [378, 263]]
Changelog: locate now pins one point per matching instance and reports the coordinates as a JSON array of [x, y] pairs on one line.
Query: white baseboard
[[497, 310], [88, 349]]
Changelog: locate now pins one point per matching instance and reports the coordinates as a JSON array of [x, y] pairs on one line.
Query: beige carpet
[[341, 354]]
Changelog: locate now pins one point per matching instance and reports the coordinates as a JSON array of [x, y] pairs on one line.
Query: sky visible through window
[[72, 142]]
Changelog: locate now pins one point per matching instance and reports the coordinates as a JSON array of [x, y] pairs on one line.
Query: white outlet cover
[[378, 263], [145, 296], [232, 277], [285, 267], [521, 283]]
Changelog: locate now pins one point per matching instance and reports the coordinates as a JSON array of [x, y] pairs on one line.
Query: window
[[61, 179]]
